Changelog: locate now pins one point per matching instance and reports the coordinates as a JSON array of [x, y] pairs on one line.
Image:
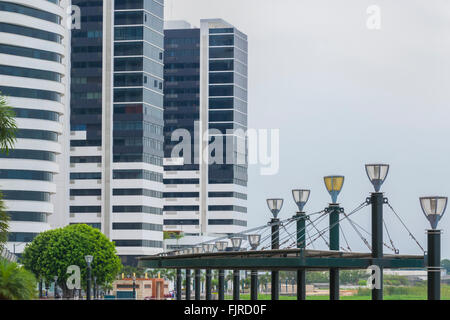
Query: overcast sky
[[342, 96]]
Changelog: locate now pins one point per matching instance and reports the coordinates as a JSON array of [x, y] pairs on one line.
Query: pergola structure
[[217, 255], [282, 259]]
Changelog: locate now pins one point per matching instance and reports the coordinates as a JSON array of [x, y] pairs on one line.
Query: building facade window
[[31, 12], [137, 209], [30, 32], [30, 53], [25, 175], [29, 154], [23, 195], [27, 216]]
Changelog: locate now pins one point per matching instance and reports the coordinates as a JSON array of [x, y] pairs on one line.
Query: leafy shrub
[[16, 283]]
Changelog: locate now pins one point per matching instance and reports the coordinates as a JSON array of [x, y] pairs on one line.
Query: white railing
[[8, 255]]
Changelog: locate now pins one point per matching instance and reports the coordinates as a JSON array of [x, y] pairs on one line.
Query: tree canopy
[[446, 265], [8, 130], [51, 252]]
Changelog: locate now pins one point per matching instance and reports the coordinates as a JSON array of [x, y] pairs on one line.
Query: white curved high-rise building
[[33, 48]]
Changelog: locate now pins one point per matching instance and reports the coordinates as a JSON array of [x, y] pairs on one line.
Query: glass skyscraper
[[117, 123], [205, 89]]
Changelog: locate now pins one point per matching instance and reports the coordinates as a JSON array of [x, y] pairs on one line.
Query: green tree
[[8, 129], [4, 220], [446, 265], [16, 283], [264, 280], [317, 277], [352, 276], [51, 252], [8, 126], [128, 270]]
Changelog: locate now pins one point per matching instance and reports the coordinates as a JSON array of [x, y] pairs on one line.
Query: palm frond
[[4, 222], [8, 126]]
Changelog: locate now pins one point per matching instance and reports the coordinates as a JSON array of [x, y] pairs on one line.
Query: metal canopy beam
[[282, 263]]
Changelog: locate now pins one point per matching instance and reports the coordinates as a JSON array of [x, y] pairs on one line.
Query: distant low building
[[148, 289], [420, 274]]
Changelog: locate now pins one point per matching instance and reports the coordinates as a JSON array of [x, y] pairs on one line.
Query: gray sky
[[342, 96]]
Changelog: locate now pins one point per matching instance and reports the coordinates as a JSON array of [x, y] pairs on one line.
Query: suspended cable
[[309, 221], [404, 225], [359, 207], [369, 234], [275, 237], [357, 231], [321, 235], [390, 239], [345, 238], [309, 236]]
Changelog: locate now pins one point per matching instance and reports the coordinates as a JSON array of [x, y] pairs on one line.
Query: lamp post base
[[434, 264]]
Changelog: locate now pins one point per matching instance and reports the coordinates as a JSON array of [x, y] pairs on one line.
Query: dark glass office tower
[[205, 88], [86, 74], [117, 123], [138, 82], [182, 89]]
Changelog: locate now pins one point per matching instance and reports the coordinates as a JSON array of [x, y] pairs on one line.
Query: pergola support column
[[221, 284], [197, 281], [377, 200], [188, 284], [208, 284], [179, 284], [275, 287], [254, 285], [334, 210], [434, 264], [236, 286], [301, 244]]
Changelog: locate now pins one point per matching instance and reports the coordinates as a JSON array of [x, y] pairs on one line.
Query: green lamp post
[[221, 246], [377, 174], [275, 206], [236, 244], [334, 186], [301, 197], [254, 240], [433, 209]]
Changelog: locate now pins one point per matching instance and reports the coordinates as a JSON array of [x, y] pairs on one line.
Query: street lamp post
[[377, 174], [434, 208], [334, 186], [275, 206], [55, 289], [301, 197], [95, 288], [88, 259], [254, 240], [236, 244], [221, 246]]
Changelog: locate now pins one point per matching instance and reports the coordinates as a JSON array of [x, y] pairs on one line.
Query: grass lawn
[[390, 297], [407, 293]]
